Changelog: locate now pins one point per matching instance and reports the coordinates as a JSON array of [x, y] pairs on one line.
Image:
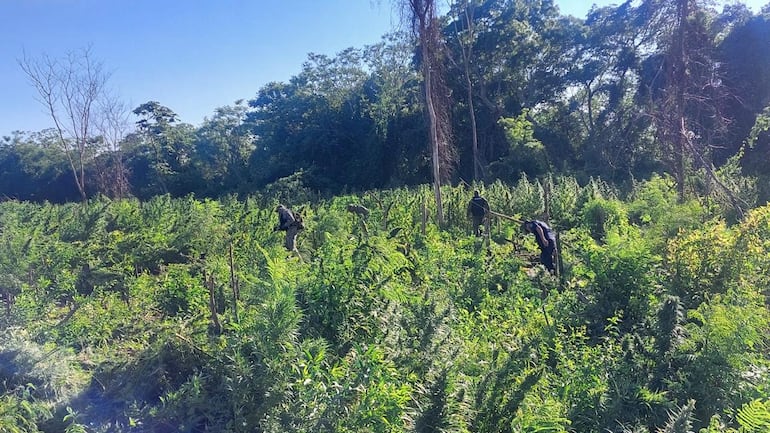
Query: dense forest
[[643, 87], [145, 289]]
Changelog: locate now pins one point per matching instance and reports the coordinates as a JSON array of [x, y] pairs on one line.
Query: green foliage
[[363, 392], [652, 200], [670, 330], [721, 345], [290, 190], [761, 125], [754, 416], [563, 196], [179, 292], [681, 420], [702, 263], [72, 418], [654, 204], [187, 312], [623, 274], [96, 321], [178, 312], [46, 372], [526, 155], [751, 245], [601, 215], [353, 282], [533, 89], [20, 414], [525, 198]]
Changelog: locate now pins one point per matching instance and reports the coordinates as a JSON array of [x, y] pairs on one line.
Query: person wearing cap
[[478, 211]]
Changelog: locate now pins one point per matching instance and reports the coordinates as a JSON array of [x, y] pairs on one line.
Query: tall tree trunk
[[477, 167], [467, 52], [677, 77], [434, 140], [425, 26]]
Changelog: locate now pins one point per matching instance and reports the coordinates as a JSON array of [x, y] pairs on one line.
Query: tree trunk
[[434, 143], [678, 77], [425, 26], [467, 53], [477, 167]]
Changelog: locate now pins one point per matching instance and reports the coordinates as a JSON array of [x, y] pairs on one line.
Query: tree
[[425, 25], [392, 92], [689, 96], [113, 126], [746, 60], [520, 59], [340, 121], [526, 155], [275, 118], [223, 147], [611, 128], [70, 90], [164, 151], [33, 167], [393, 98], [466, 33]]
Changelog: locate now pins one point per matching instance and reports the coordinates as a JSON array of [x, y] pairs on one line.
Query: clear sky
[[190, 55]]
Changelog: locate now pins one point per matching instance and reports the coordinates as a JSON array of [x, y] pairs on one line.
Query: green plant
[[754, 416], [601, 215]]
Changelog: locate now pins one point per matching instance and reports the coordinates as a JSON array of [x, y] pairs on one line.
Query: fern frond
[[754, 416]]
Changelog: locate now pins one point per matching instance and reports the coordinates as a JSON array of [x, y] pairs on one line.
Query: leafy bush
[[623, 276], [701, 263], [526, 155], [600, 215], [654, 205], [180, 293]]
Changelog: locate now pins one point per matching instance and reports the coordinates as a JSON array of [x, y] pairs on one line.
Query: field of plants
[[188, 315]]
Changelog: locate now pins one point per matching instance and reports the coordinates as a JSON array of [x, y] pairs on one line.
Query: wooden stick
[[497, 214]]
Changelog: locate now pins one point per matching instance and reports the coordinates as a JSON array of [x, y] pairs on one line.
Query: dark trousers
[[478, 220], [291, 238], [546, 257]]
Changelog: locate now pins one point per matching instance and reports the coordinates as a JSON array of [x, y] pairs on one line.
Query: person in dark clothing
[[478, 211], [546, 240], [358, 209], [291, 223]]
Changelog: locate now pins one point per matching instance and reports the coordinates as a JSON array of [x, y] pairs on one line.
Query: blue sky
[[193, 55]]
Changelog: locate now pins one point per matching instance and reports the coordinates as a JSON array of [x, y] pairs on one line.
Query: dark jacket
[[550, 237], [285, 218], [478, 206]]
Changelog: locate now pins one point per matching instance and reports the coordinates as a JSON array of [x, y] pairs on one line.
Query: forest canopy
[[634, 89]]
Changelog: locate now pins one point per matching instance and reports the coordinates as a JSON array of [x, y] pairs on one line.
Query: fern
[[754, 416]]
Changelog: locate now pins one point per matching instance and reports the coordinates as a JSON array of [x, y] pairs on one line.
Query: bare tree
[[690, 117], [425, 26], [674, 119], [113, 125], [69, 89], [465, 38]]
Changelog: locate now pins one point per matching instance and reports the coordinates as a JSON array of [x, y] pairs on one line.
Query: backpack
[[298, 220]]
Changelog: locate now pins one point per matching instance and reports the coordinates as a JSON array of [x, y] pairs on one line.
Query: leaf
[[754, 416]]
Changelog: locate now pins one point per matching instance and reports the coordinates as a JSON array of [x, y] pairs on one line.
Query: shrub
[[600, 215]]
